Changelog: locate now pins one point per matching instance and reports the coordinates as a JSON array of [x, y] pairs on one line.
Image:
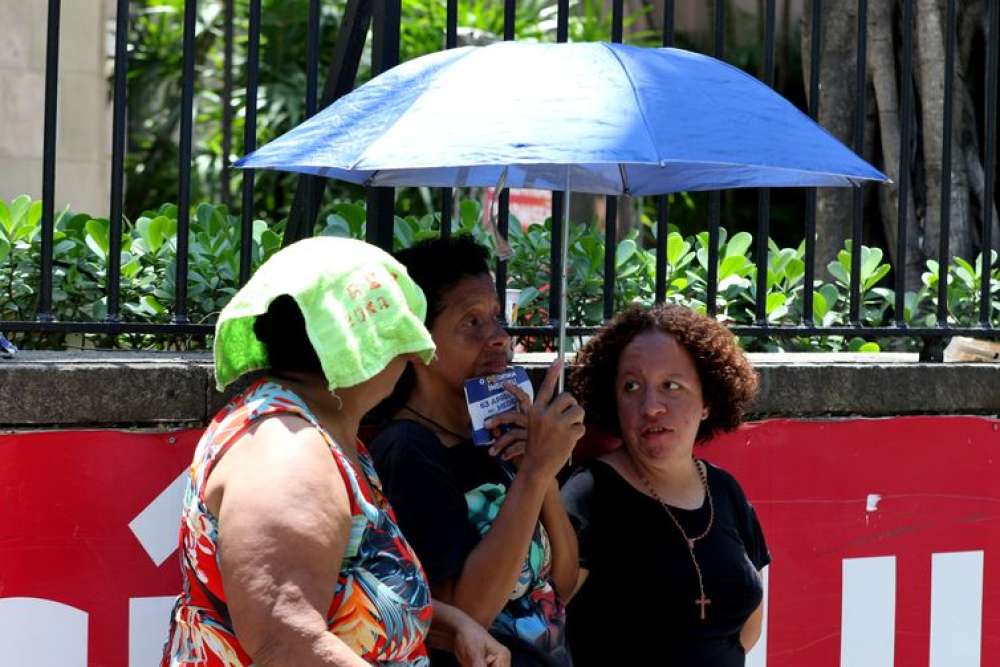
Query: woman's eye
[[670, 384], [630, 385]]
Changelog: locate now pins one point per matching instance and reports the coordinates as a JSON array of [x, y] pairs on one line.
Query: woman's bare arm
[[284, 522], [565, 550]]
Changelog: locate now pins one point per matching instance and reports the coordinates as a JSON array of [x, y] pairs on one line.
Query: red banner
[[885, 536]]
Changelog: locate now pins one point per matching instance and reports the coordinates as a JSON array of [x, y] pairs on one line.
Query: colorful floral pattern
[[533, 612], [381, 605]]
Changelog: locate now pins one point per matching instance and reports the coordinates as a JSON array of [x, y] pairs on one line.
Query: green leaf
[[795, 269], [355, 216], [733, 265], [860, 345], [527, 296], [774, 300], [739, 244], [18, 207], [4, 216], [151, 231], [626, 249], [131, 268], [830, 295], [4, 249], [838, 271], [402, 233], [97, 237], [876, 276], [677, 247], [870, 259], [63, 247], [469, 212], [820, 306], [336, 225]]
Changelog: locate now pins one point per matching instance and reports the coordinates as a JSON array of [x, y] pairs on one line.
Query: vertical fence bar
[[451, 28], [951, 30], [44, 313], [715, 197], [857, 233], [250, 137], [611, 201], [385, 54], [904, 162], [663, 202], [555, 253], [117, 159], [184, 165], [312, 86], [450, 42], [225, 182], [349, 45], [312, 58], [992, 72], [610, 254], [503, 211], [503, 226], [809, 279], [764, 195]]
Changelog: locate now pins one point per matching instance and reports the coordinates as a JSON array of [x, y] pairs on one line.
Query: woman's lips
[[651, 432], [492, 366]]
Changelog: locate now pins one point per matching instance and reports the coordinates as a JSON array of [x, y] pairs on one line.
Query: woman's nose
[[651, 404], [499, 337]]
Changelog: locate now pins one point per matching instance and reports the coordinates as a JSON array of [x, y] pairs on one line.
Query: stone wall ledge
[[168, 389]]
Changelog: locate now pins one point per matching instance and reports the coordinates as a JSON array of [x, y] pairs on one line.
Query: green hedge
[[148, 275]]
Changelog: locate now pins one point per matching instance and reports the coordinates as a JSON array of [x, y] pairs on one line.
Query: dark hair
[[436, 265], [728, 380], [282, 330]]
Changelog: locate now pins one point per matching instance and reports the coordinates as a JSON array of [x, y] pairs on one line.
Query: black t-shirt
[[637, 606], [427, 484]]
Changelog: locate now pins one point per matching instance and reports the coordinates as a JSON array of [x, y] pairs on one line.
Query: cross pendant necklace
[[702, 601]]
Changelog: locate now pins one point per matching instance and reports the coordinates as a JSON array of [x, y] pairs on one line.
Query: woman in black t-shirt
[[487, 523], [670, 549]]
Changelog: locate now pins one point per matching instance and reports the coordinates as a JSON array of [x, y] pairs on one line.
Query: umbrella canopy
[[606, 118]]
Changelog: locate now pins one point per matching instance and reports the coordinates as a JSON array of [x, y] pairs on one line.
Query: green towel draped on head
[[360, 306]]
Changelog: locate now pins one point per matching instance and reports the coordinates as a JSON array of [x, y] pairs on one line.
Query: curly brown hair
[[728, 380]]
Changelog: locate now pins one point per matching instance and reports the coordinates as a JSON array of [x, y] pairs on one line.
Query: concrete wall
[[149, 389], [84, 125]]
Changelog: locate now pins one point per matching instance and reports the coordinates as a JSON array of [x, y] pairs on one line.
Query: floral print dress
[[381, 605]]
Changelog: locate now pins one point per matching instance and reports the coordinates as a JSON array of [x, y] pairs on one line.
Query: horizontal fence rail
[[384, 18]]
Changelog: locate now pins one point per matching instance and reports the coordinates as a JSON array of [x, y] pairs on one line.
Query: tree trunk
[[930, 67], [972, 19], [838, 64], [882, 66]]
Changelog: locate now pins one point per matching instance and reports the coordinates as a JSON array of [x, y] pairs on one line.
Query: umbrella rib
[[635, 95], [416, 98]]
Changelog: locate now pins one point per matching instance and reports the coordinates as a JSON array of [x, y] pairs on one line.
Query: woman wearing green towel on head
[[290, 553]]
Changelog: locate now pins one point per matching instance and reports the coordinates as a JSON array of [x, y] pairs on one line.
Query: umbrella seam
[[638, 103]]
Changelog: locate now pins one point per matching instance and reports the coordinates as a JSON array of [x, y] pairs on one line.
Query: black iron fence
[[383, 18]]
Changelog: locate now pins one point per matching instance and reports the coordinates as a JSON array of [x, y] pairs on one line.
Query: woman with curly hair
[[670, 549]]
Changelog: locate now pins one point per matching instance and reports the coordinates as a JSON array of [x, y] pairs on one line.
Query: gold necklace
[[702, 601]]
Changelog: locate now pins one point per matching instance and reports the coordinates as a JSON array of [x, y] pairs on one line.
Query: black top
[[637, 605], [445, 499]]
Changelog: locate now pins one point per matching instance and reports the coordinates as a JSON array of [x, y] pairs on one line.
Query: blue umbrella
[[585, 117]]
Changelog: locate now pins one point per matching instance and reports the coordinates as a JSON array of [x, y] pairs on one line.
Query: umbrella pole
[[564, 250]]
